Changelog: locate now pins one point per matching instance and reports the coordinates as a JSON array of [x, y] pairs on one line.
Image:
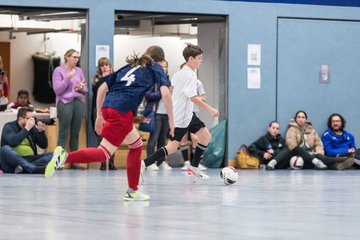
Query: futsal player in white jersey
[[184, 96]]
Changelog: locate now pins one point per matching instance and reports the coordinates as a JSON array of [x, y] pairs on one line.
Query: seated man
[[19, 141], [22, 100], [270, 149], [337, 141]]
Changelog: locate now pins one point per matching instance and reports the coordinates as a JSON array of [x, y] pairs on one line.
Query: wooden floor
[[88, 204]]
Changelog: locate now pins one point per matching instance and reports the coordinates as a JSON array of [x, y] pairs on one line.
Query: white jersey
[[184, 83], [200, 92]]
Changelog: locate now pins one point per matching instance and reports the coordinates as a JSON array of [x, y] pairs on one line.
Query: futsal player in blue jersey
[[117, 103]]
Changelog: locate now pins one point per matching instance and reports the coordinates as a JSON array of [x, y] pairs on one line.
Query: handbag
[[147, 123]]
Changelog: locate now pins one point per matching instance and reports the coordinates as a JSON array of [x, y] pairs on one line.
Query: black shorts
[[194, 126]]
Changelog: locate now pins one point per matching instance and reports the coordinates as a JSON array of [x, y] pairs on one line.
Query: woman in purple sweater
[[70, 88]]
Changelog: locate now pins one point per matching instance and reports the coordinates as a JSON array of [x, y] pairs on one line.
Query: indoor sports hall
[[263, 60]]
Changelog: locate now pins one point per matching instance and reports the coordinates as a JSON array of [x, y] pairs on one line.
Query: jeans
[[9, 160], [160, 134], [70, 116]]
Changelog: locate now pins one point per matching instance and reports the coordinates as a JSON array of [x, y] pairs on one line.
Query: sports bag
[[245, 160]]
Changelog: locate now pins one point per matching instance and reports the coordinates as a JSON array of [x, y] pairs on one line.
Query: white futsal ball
[[296, 162], [229, 175]]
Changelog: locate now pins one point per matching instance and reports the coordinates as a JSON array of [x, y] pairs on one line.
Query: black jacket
[[13, 134], [260, 146]]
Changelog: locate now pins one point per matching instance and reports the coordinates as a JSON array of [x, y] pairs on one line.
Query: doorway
[[30, 30], [5, 55], [135, 31]]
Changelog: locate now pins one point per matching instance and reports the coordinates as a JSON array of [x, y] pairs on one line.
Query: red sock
[[88, 155], [133, 164]]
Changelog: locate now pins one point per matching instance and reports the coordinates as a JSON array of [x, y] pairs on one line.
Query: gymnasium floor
[[282, 204]]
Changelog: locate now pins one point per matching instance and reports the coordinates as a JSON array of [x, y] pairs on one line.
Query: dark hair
[[271, 123], [23, 92], [343, 121], [191, 51], [156, 53], [22, 112], [300, 111], [153, 53]]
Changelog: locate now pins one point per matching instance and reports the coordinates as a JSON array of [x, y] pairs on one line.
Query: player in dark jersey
[[117, 103]]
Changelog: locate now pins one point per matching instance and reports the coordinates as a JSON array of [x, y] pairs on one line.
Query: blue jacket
[[337, 145]]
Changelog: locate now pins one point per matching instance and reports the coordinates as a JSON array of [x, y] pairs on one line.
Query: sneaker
[[186, 165], [57, 161], [357, 161], [18, 169], [152, 167], [345, 164], [164, 166], [196, 172], [60, 161], [271, 165], [112, 166], [131, 195], [319, 164], [202, 167], [103, 166]]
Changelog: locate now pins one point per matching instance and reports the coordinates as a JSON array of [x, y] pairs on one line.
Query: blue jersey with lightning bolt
[[128, 86]]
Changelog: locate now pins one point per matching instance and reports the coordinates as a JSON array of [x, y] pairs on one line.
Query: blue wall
[[263, 23]]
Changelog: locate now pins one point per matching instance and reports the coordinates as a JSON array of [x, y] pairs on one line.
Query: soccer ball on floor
[[229, 175], [296, 162]]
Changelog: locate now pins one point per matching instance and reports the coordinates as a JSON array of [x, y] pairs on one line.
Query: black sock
[[198, 155], [156, 156], [185, 152], [39, 169], [192, 153]]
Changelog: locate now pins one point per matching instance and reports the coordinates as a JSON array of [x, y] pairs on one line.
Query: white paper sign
[[254, 54], [101, 51], [253, 78]]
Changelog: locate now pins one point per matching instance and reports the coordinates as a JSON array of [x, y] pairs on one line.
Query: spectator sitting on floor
[[271, 149], [19, 141], [303, 140], [337, 141]]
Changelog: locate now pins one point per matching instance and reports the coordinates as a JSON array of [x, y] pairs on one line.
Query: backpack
[[245, 160]]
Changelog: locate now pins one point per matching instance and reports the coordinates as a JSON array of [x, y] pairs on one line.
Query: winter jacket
[[266, 142], [306, 138]]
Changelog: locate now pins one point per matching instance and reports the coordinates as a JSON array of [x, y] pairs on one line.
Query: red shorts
[[117, 125]]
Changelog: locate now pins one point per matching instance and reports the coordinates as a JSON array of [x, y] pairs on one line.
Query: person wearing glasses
[[19, 141], [70, 87], [337, 141]]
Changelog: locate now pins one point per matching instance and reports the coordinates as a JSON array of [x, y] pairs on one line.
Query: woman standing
[[70, 88], [104, 68]]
